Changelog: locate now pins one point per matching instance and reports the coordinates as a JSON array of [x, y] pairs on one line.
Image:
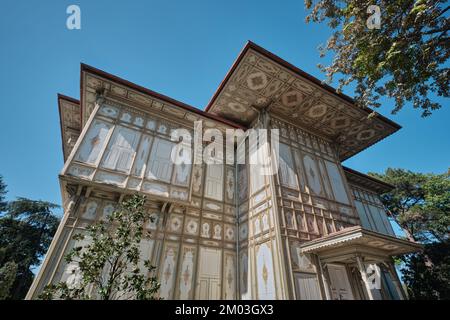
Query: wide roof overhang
[[260, 79]]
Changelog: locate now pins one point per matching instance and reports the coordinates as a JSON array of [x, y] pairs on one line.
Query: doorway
[[340, 287]]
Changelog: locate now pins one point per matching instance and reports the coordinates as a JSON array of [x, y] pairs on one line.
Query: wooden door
[[307, 286], [339, 284], [208, 278]]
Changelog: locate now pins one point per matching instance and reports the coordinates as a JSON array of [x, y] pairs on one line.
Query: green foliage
[[7, 276], [109, 266], [2, 195], [427, 274], [26, 229], [421, 205], [404, 60], [420, 202]]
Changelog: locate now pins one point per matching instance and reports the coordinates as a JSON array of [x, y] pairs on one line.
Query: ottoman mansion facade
[[312, 229]]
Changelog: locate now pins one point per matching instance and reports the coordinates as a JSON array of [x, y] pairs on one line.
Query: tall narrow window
[[142, 155], [214, 181], [182, 167], [378, 219], [365, 221], [312, 174], [288, 176], [160, 162], [93, 142], [121, 149], [258, 155], [336, 182]]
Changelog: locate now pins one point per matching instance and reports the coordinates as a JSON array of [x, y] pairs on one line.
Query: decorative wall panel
[[229, 276], [94, 142], [243, 182], [186, 273], [167, 271], [265, 272], [244, 277]]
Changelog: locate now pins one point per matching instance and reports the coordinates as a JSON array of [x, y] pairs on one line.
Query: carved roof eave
[[138, 96], [362, 238], [366, 181], [342, 121], [64, 126]]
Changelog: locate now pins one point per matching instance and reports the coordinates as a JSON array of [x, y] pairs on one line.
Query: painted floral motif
[[229, 233], [197, 178], [167, 276], [175, 223], [186, 273], [243, 231], [205, 230], [126, 117], [192, 226], [217, 232], [230, 185]]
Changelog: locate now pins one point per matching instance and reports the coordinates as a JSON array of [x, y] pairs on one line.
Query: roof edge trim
[[287, 65], [141, 89]]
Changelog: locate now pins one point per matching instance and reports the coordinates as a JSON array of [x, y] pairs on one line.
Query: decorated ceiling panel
[[70, 117], [258, 81]]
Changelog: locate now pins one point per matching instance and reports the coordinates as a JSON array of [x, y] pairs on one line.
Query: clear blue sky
[[180, 48]]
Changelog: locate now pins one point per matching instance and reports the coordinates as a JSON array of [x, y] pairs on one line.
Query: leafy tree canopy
[[2, 194], [427, 281], [26, 228], [420, 203], [7, 277], [405, 59], [109, 266]]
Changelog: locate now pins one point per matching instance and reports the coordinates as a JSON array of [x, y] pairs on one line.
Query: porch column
[[362, 270], [325, 282]]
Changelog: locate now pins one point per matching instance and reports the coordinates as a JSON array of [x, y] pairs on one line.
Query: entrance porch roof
[[357, 240]]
